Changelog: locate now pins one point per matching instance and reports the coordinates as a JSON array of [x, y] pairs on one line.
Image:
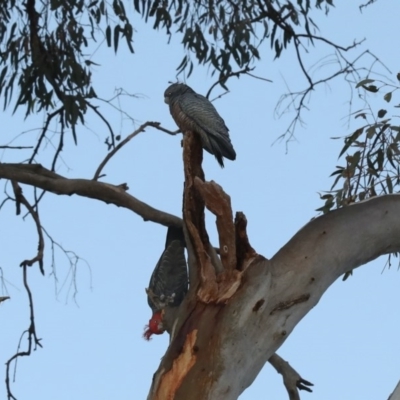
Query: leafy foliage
[[43, 53], [226, 33], [371, 153], [45, 47]]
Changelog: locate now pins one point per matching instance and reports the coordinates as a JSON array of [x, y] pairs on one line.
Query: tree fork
[[213, 282]]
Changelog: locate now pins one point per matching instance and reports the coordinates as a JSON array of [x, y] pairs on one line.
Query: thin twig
[[33, 340], [104, 120], [60, 143], [20, 199], [16, 147], [125, 141], [226, 77], [44, 130]]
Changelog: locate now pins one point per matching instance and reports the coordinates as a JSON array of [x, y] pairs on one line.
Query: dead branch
[[245, 254], [38, 176], [33, 340], [20, 198], [193, 214], [219, 203], [291, 379]]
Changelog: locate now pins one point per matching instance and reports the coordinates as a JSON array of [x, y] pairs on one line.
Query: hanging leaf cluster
[[228, 33], [44, 52], [371, 154]]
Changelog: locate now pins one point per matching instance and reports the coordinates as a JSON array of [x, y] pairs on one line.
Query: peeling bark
[[181, 365], [235, 340], [193, 216], [224, 336]]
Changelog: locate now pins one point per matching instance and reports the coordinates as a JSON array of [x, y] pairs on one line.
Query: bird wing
[[202, 114], [169, 281], [174, 233]]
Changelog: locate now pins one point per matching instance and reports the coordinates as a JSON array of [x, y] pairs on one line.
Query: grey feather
[[169, 281], [192, 111]]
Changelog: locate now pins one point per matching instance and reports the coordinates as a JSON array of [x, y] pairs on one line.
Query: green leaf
[[371, 88], [364, 82], [350, 140], [362, 115], [338, 171], [183, 64], [108, 35], [354, 160], [380, 159], [387, 97], [336, 180], [117, 31], [128, 32], [326, 196], [389, 184], [371, 131], [2, 75], [74, 134], [389, 155], [381, 113]]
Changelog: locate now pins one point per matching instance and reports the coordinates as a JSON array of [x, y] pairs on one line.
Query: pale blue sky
[[347, 346]]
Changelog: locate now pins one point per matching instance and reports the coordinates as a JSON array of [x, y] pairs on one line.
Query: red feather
[[155, 326]]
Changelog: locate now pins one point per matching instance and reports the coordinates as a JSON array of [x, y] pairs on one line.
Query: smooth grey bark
[[396, 393], [233, 342], [306, 266], [38, 176], [291, 378], [274, 295]]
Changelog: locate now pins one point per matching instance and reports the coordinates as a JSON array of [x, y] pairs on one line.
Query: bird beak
[[166, 100]]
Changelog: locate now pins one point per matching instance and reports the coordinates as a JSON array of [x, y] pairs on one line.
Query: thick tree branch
[[291, 379], [38, 176], [275, 295], [396, 393]]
